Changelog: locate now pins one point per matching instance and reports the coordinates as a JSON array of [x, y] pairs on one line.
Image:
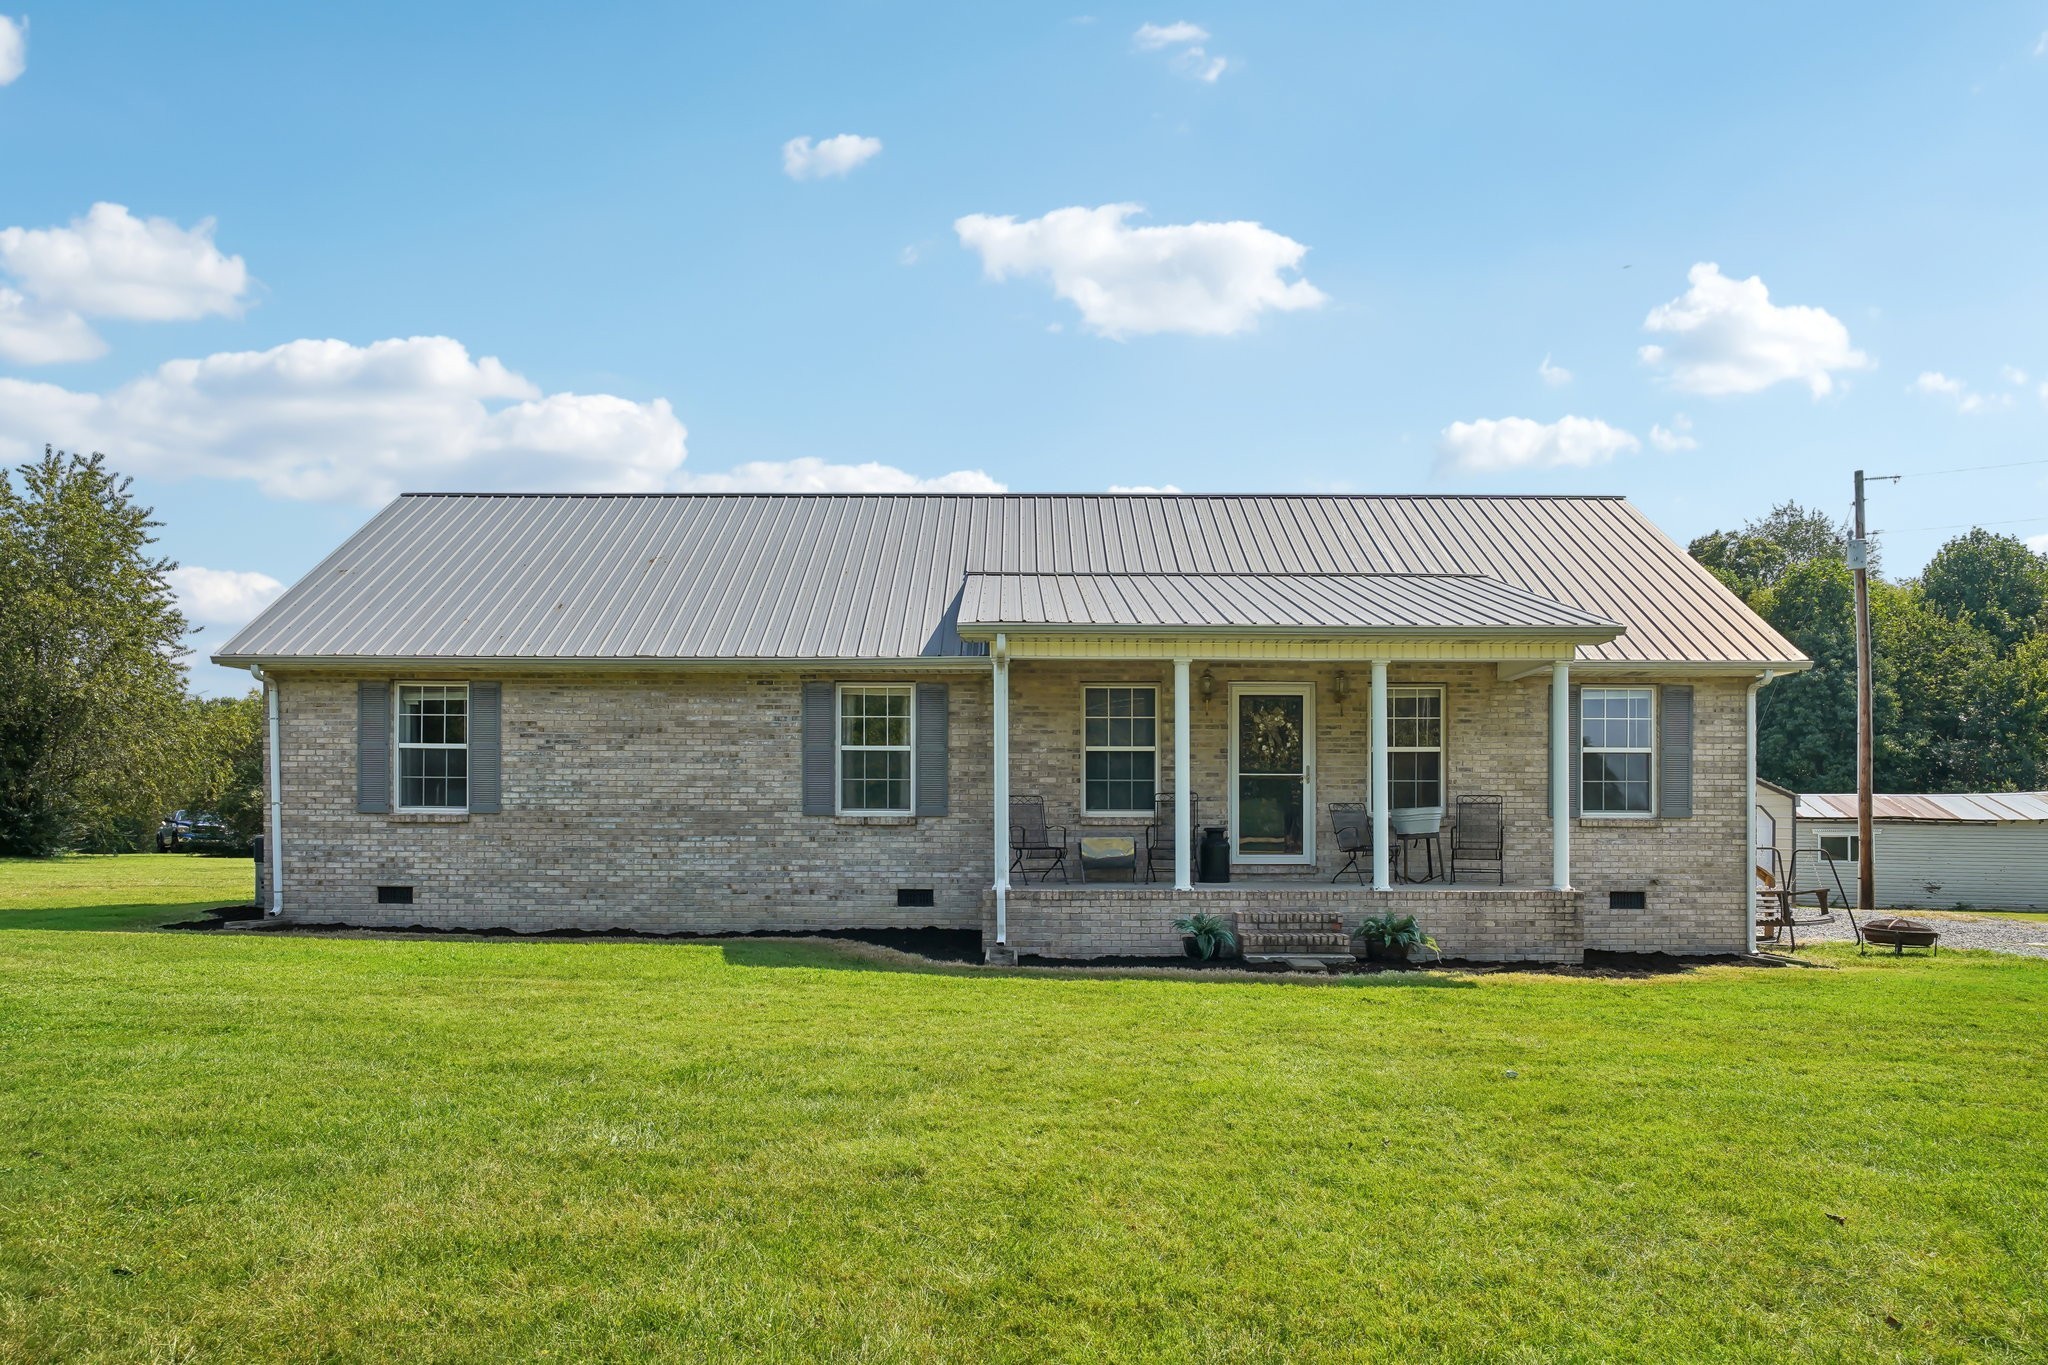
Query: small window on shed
[[1841, 848]]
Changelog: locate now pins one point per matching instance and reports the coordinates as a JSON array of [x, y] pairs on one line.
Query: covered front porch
[[1352, 700], [1285, 916]]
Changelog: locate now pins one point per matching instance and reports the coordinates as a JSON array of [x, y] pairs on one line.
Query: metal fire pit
[[1900, 934]]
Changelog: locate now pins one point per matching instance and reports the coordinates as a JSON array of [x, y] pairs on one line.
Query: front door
[[1272, 772]]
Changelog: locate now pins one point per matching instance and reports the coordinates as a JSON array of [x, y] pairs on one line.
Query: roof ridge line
[[998, 497]]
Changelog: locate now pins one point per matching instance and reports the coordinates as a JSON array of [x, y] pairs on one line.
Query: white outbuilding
[[1981, 850]]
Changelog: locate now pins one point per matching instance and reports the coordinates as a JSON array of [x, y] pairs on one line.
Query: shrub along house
[[748, 712]]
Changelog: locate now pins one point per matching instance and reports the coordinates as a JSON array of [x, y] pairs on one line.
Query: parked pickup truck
[[197, 831]]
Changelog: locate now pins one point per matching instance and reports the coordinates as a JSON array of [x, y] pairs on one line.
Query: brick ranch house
[[727, 713]]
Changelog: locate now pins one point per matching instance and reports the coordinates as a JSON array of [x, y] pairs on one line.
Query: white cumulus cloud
[[108, 264], [811, 475], [803, 159], [1192, 59], [111, 264], [1556, 376], [31, 334], [2038, 544], [333, 422], [1506, 444], [1205, 279], [1674, 438], [1966, 399], [13, 49], [330, 421], [1725, 336], [1143, 488], [1152, 37], [2013, 375], [222, 597]]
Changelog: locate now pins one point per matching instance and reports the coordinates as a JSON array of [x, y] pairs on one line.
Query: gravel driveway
[[2026, 937]]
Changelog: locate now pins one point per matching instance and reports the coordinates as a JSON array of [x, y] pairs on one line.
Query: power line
[[1965, 469], [1957, 525]]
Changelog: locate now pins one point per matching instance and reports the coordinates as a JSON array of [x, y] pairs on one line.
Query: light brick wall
[[660, 802], [671, 802], [1126, 921], [1496, 742]]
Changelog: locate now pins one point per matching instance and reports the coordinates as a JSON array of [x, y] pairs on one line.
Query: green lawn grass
[[243, 1146], [122, 891]]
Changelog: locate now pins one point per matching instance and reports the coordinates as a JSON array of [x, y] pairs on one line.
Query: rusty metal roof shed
[[1979, 808], [567, 577]]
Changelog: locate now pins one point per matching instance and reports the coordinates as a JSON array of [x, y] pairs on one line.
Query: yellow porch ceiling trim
[[1419, 648]]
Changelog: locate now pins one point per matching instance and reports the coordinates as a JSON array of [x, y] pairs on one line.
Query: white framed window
[[1415, 747], [1841, 848], [1119, 749], [875, 739], [433, 746], [1617, 752]]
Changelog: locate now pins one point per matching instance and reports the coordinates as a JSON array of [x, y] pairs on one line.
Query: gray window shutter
[[485, 748], [1674, 752], [1574, 766], [931, 748], [819, 729], [373, 747]]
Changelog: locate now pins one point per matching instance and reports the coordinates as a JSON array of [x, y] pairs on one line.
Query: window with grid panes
[[1120, 750]]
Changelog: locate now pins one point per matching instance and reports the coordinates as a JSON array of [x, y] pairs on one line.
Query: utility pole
[[1859, 564]]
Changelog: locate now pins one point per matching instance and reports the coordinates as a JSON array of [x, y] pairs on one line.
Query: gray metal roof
[[1993, 808], [879, 576], [1323, 602]]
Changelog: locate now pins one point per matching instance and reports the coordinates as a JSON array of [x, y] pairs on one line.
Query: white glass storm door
[[1272, 773]]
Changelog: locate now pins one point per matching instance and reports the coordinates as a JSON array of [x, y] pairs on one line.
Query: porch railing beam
[[1561, 775], [1382, 826], [1183, 879]]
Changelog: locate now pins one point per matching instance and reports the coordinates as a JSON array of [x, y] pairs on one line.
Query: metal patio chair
[[1161, 836], [1031, 837], [1352, 823], [1480, 835]]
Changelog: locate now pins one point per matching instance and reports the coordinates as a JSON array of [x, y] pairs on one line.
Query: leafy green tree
[[1806, 723], [1804, 534], [224, 771], [1747, 564], [91, 679], [1991, 581], [1946, 724]]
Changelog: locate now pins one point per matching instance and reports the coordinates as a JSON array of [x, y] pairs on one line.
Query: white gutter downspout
[[1749, 822], [275, 845], [999, 660]]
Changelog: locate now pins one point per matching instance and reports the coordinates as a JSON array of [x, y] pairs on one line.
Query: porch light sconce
[[1340, 687], [1208, 684]]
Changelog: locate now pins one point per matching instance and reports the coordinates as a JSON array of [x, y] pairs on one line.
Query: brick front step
[[1255, 942], [1313, 921]]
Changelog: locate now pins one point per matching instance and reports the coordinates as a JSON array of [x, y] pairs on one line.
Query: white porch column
[[1182, 835], [999, 783], [1382, 827], [1561, 775]]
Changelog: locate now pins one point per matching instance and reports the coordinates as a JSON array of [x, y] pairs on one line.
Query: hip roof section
[[777, 576], [1342, 603]]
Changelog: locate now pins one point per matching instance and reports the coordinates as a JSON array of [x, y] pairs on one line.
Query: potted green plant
[[1206, 936], [1392, 938]]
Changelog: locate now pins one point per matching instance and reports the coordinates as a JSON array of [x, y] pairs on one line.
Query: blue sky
[[1360, 237]]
